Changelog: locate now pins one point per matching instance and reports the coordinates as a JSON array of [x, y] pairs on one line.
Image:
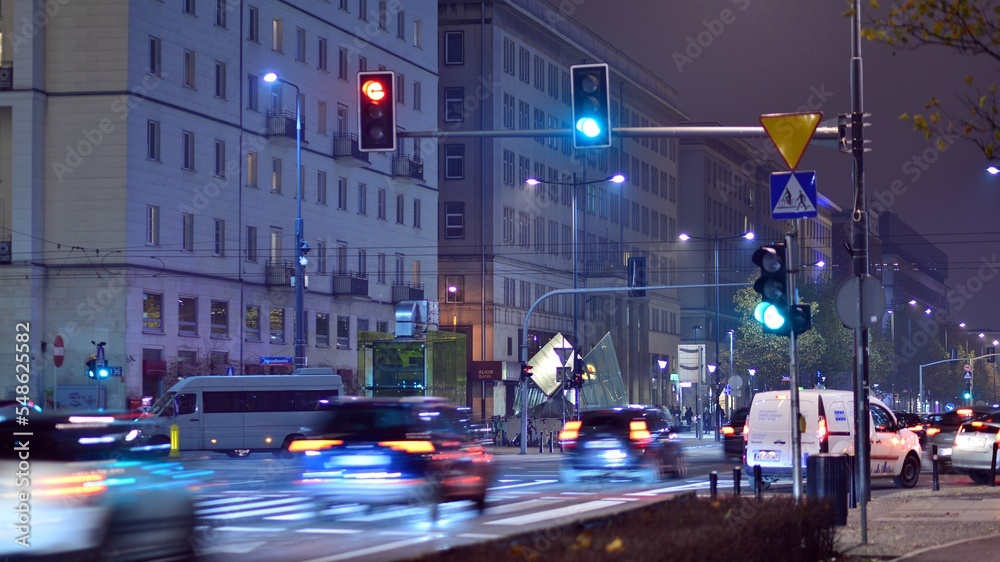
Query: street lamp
[[732, 334], [697, 387], [663, 382], [616, 178], [715, 400], [752, 373], [684, 237], [301, 246]]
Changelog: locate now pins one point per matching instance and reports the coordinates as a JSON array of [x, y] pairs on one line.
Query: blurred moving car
[[79, 490], [394, 451], [972, 453], [732, 435], [942, 427], [630, 441], [913, 422]]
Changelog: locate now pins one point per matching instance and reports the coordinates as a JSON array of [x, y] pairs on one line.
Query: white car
[[829, 428]]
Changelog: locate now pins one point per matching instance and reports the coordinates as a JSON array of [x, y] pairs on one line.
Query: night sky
[[733, 60]]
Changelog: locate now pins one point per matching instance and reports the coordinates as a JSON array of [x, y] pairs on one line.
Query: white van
[[829, 428], [239, 415]]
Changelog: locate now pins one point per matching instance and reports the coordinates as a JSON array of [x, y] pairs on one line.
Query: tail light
[[728, 431], [570, 432], [931, 431], [639, 433], [415, 447], [307, 445], [746, 432], [72, 485], [822, 435]]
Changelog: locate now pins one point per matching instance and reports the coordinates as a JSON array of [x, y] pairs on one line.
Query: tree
[[970, 27]]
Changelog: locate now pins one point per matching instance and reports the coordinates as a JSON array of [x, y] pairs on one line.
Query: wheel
[[283, 452], [568, 475], [680, 466], [160, 441], [480, 502], [909, 474], [981, 477], [653, 472], [238, 453]]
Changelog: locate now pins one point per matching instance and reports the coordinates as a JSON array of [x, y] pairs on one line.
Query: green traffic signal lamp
[[591, 97], [103, 372], [92, 368]]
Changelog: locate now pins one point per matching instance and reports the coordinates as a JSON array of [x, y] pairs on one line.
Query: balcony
[[407, 292], [603, 270], [279, 274], [352, 283], [6, 75], [345, 146], [281, 124], [407, 166]]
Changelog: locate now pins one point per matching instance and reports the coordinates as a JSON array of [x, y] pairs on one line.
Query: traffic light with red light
[[591, 97], [526, 371], [377, 111]]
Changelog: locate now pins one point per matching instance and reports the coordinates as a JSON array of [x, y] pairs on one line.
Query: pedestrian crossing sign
[[793, 195]]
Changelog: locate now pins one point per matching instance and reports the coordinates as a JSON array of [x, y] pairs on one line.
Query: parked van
[[240, 415], [829, 428]]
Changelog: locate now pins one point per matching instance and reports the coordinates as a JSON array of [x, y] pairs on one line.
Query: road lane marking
[[551, 514], [520, 506], [511, 486], [373, 549]]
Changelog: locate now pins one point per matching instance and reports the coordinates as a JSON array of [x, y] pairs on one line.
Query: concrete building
[[148, 185], [504, 66]]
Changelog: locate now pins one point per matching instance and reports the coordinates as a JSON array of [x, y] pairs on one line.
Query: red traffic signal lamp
[[526, 371], [377, 111]]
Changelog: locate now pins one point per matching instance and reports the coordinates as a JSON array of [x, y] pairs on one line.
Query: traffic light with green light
[[591, 96], [92, 367], [772, 284]]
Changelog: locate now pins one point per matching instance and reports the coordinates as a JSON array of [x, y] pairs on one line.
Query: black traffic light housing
[[591, 98], [772, 284], [377, 111], [92, 367], [637, 275], [968, 390], [526, 371]]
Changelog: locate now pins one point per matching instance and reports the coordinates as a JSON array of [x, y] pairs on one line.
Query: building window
[[320, 257], [187, 316], [220, 238], [152, 313], [220, 319], [401, 25], [342, 193], [362, 199], [321, 187], [252, 243], [187, 148], [189, 68], [321, 117], [342, 63], [152, 225], [188, 6], [300, 44], [363, 10], [322, 55], [454, 47], [155, 50], [276, 175], [220, 159], [252, 169], [508, 167], [418, 29], [400, 88], [153, 140], [454, 220], [277, 39], [220, 13], [341, 257], [343, 332], [380, 269], [220, 80], [322, 330], [383, 15], [251, 323], [277, 325], [217, 362], [252, 90], [362, 261], [417, 96], [400, 208], [454, 286], [453, 104], [416, 213], [253, 24], [381, 204], [454, 161], [187, 232], [362, 63]]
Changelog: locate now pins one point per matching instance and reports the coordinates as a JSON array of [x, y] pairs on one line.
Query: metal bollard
[[757, 482], [737, 476], [934, 468], [713, 484], [541, 441], [993, 466], [552, 438]]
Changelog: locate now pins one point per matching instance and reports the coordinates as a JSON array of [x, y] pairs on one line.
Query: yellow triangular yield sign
[[791, 133]]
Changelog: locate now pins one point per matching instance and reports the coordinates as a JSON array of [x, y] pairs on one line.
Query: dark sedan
[[732, 435], [942, 428], [421, 451], [630, 441], [915, 423]]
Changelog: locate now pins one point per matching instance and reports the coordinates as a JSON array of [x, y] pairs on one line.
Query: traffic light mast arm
[[704, 132]]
